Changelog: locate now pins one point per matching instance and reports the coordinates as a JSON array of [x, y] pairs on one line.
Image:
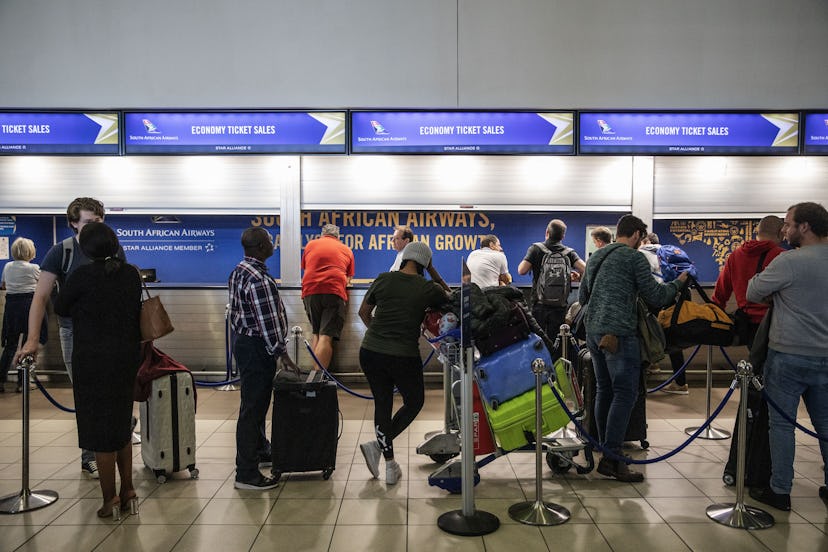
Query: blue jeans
[[616, 380], [787, 378], [256, 371]]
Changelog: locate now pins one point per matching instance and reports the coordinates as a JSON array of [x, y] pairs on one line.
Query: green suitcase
[[516, 416]]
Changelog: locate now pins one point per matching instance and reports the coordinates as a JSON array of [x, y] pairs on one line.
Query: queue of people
[[100, 339]]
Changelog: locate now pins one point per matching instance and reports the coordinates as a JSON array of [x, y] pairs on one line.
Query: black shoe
[[619, 470], [766, 495], [823, 493], [261, 484]]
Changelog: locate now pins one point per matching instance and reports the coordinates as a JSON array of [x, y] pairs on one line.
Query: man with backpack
[[553, 267], [58, 264]]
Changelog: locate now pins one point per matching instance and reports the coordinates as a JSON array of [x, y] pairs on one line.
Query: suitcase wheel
[[729, 479], [326, 473], [557, 464], [160, 476], [193, 473], [645, 444]]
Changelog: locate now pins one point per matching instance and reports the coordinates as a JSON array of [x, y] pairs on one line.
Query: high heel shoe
[[130, 503], [111, 509]]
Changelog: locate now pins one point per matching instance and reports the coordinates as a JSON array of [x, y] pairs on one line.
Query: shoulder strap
[[760, 265], [595, 275], [68, 254]]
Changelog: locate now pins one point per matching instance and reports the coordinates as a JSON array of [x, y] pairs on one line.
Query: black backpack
[[554, 278]]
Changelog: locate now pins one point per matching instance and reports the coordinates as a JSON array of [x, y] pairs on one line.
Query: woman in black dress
[[103, 299]]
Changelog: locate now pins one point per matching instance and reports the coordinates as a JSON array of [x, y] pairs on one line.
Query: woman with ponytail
[[103, 299]]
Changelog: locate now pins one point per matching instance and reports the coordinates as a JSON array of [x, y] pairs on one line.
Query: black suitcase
[[305, 427], [637, 428], [757, 453]]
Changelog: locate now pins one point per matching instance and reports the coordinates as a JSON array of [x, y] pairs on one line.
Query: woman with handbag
[[103, 299]]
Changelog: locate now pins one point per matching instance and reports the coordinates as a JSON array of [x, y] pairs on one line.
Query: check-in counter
[[198, 313]]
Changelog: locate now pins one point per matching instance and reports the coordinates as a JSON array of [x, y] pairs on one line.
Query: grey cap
[[418, 252]]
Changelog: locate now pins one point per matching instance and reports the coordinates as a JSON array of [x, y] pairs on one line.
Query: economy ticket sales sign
[[816, 133], [688, 133], [23, 133], [462, 132], [235, 132]]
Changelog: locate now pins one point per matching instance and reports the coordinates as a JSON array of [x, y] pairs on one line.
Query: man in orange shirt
[[328, 265]]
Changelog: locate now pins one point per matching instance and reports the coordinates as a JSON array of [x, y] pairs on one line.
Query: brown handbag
[[155, 322]]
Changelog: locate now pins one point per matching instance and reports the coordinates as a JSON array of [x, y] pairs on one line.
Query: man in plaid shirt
[[259, 325]]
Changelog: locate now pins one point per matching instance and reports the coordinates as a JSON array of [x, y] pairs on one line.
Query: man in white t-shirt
[[488, 265]]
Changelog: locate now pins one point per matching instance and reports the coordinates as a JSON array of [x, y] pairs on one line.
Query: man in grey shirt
[[797, 364]]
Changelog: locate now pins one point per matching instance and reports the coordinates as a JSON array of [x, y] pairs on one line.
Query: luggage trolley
[[513, 422], [442, 446]]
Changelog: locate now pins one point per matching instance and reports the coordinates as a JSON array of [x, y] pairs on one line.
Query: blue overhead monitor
[[56, 133], [816, 133], [235, 132], [462, 132], [688, 133]]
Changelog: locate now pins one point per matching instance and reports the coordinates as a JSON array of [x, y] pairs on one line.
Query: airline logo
[[150, 127], [605, 128], [378, 128], [825, 121]]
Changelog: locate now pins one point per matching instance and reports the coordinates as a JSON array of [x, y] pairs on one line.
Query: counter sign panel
[[235, 132], [816, 133], [457, 132], [689, 133], [24, 133]]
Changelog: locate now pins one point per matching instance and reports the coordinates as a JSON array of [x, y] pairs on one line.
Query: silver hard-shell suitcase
[[168, 440]]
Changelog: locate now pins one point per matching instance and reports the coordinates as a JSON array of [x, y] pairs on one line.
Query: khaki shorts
[[326, 313]]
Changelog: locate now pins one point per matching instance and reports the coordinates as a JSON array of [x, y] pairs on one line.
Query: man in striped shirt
[[259, 326]]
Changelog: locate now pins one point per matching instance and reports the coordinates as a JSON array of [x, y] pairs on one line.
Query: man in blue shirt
[[58, 264], [259, 325]]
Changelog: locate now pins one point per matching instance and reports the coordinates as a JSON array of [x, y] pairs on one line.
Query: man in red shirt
[[329, 266], [749, 259]]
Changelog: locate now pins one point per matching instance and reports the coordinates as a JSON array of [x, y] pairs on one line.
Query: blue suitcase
[[507, 373]]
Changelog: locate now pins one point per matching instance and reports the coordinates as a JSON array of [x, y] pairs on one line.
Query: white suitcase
[[168, 426]]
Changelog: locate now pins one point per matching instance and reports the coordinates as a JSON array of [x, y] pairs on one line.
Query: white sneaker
[[372, 453], [90, 469], [393, 472]]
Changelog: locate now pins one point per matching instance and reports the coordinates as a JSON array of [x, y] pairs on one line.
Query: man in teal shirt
[[615, 276]]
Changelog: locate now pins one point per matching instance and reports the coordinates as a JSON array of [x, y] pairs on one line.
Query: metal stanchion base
[[710, 432], [26, 501], [228, 387], [475, 525], [740, 516], [539, 513]]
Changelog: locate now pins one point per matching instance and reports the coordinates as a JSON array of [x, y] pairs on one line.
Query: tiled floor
[[352, 512]]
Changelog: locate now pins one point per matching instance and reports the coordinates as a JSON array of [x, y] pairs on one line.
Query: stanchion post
[[739, 515], [564, 336], [710, 432], [26, 500], [468, 521], [539, 512], [228, 348], [296, 335]]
